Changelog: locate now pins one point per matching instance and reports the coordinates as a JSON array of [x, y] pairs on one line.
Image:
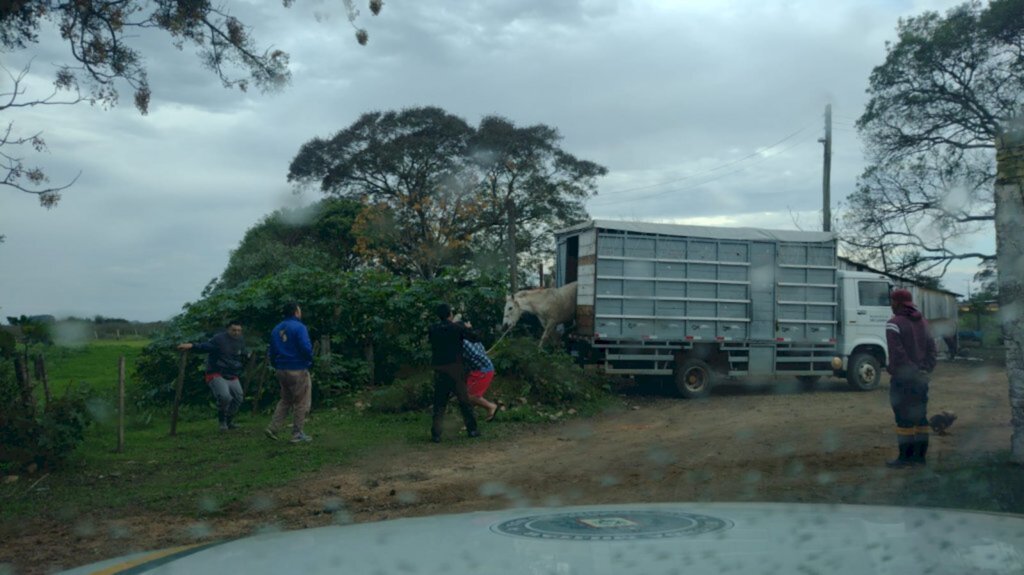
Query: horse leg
[[547, 333]]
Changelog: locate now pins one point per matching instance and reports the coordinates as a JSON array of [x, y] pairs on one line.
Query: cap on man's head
[[902, 296]]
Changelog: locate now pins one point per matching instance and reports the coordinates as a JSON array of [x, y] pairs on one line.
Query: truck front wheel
[[693, 378], [863, 372]]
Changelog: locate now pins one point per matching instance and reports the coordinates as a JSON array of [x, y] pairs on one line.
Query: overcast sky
[[671, 96]]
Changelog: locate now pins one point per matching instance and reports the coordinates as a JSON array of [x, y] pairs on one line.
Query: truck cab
[[864, 310]]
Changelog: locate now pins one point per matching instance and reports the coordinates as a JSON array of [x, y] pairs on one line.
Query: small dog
[[942, 421]]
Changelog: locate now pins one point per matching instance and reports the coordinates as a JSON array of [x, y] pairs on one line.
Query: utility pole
[[826, 177]]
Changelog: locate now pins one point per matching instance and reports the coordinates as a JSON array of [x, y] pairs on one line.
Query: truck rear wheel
[[693, 378], [863, 372]]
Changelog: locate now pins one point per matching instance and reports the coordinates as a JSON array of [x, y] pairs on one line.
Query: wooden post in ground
[[261, 377], [370, 361], [120, 404], [41, 375], [177, 391], [24, 383]]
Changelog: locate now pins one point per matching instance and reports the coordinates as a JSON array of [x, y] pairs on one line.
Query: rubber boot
[[903, 460], [918, 457]]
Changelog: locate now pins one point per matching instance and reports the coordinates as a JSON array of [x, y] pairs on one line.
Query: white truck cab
[[864, 310]]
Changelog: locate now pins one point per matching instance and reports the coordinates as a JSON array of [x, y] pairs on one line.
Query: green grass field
[[201, 469], [95, 364]]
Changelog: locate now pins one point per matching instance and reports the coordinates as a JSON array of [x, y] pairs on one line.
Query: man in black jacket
[[224, 365], [449, 376]]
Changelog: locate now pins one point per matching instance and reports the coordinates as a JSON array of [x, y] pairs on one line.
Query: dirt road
[[744, 443]]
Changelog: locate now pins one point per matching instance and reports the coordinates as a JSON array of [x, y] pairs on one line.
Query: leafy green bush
[[412, 394], [44, 438], [547, 377], [354, 309]]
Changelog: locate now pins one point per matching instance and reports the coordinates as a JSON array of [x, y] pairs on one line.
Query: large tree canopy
[[531, 185], [409, 168], [314, 237], [948, 87], [103, 38], [438, 190]]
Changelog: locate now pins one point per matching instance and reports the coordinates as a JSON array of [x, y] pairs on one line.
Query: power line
[[598, 202], [715, 169]]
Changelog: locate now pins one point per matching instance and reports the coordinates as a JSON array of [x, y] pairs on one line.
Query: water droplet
[[207, 504], [261, 503], [85, 528], [199, 530], [493, 489]]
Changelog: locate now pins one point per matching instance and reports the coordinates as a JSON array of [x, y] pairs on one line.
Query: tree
[[909, 216], [315, 237], [437, 190], [531, 185], [937, 104], [102, 36], [34, 330], [409, 168], [1010, 266], [950, 91]]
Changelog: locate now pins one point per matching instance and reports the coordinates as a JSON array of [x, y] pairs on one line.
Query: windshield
[[270, 267], [873, 293]]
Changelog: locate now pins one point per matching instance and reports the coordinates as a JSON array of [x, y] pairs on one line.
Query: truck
[[699, 303]]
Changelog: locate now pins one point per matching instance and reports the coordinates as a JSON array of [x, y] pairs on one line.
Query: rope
[[499, 339]]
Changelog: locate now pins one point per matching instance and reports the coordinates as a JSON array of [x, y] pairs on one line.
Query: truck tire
[[694, 378], [863, 372]]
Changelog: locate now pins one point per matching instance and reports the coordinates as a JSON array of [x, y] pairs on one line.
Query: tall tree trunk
[[1010, 263], [370, 361], [513, 256]]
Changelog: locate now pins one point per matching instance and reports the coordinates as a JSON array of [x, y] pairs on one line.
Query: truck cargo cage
[[764, 300]]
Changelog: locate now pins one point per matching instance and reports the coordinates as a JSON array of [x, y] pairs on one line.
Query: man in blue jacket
[[291, 354]]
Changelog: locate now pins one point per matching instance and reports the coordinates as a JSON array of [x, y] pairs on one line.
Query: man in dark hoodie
[[224, 365], [446, 338], [912, 356]]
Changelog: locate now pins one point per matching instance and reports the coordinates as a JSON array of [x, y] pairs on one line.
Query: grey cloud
[[655, 92]]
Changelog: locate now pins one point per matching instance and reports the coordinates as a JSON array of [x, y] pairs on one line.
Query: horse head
[[512, 313]]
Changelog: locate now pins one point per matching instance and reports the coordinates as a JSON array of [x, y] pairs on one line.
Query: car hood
[[611, 539]]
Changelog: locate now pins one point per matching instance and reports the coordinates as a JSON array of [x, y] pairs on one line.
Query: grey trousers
[[228, 393]]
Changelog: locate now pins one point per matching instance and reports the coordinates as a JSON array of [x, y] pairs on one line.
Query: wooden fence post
[[177, 391], [21, 374], [371, 362], [120, 404], [261, 377], [41, 375]]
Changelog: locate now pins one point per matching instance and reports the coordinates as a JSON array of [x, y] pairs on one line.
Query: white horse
[[552, 306]]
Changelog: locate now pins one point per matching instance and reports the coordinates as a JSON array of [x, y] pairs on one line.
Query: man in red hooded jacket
[[912, 357]]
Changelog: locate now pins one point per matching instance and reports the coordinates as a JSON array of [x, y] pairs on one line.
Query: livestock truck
[[700, 303]]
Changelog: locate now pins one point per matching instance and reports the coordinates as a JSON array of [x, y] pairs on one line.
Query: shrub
[[352, 308], [412, 394], [45, 439], [548, 376]]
